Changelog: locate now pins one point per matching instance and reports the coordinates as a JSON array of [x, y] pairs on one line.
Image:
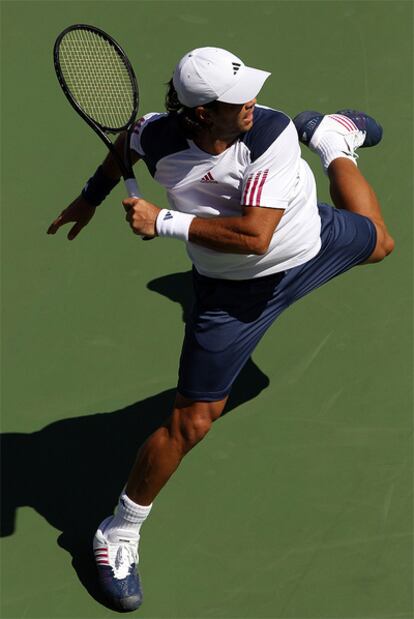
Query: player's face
[[230, 119]]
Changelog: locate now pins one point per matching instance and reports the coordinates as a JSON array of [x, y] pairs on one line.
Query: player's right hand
[[80, 211]]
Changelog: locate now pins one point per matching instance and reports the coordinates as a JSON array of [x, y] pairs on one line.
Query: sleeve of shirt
[[269, 180], [138, 131]]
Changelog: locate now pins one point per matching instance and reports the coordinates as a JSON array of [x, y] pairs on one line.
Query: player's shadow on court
[[71, 471]]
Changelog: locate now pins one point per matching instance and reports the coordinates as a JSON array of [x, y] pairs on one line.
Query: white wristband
[[174, 224]]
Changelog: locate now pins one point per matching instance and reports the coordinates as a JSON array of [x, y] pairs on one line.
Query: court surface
[[298, 504]]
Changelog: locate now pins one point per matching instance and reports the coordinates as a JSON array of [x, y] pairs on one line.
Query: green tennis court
[[298, 505]]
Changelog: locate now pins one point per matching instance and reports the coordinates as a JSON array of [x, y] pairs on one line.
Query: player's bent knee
[[191, 420], [194, 427], [389, 245], [384, 247]]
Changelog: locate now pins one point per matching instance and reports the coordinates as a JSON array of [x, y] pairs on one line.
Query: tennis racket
[[100, 84]]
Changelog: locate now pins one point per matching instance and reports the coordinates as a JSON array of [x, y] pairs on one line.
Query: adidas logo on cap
[[236, 67]]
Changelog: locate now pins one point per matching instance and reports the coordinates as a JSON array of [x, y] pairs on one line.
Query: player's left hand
[[141, 216]]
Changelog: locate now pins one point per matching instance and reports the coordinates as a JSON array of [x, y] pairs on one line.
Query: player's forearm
[[111, 168], [249, 233], [107, 176], [233, 235], [110, 165]]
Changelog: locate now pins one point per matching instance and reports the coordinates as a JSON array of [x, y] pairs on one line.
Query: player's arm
[[110, 166], [83, 208], [249, 234]]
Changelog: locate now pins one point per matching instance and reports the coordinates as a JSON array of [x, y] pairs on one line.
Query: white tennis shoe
[[338, 134], [340, 130], [116, 557]]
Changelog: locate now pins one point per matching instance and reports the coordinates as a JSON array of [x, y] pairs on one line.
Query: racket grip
[[133, 192], [132, 188]]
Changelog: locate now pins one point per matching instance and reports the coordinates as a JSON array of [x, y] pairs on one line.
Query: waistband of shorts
[[237, 283]]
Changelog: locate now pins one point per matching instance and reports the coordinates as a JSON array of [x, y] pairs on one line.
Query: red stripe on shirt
[[250, 197], [255, 189], [259, 190], [138, 125], [249, 182]]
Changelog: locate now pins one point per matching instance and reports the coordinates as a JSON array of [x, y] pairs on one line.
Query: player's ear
[[203, 115]]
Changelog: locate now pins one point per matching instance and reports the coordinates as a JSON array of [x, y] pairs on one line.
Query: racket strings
[[97, 77]]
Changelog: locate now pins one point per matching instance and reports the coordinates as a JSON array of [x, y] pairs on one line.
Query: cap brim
[[247, 88]]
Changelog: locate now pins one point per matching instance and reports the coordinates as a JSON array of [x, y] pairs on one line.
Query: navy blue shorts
[[229, 317]]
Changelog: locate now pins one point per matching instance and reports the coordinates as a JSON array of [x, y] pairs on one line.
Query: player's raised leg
[[335, 138]]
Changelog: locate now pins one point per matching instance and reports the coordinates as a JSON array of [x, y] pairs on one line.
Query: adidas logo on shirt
[[208, 178]]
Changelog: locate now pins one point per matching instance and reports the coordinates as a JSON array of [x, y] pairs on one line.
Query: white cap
[[210, 73]]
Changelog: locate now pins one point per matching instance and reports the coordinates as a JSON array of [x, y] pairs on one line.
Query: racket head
[[97, 78]]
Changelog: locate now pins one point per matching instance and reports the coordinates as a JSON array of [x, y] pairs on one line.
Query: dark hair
[[189, 123]]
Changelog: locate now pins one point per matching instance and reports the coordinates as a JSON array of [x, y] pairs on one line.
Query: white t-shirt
[[263, 168]]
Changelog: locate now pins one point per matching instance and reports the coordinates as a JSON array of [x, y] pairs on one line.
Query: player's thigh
[[347, 240], [228, 320]]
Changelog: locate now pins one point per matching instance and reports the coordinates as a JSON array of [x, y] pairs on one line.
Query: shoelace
[[354, 140], [125, 553]]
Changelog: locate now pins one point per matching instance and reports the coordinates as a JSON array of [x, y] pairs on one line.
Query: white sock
[[129, 515], [329, 149], [334, 138]]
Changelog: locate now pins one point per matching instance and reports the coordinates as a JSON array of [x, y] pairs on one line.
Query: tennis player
[[244, 202]]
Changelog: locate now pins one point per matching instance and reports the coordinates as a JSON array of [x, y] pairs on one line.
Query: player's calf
[[351, 191]]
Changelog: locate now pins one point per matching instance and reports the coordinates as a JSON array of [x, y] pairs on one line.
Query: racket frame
[[102, 130]]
